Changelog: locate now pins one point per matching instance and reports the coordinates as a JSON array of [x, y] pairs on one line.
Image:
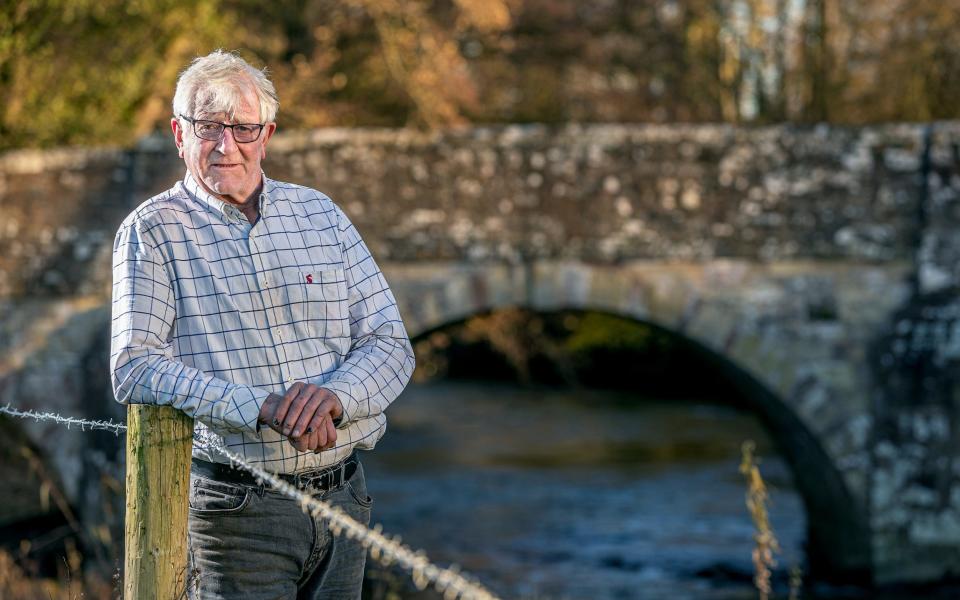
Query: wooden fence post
[[159, 439]]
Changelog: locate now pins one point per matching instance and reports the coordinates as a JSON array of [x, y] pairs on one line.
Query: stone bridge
[[817, 267]]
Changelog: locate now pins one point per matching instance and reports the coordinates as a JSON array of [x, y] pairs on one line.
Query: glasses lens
[[208, 130], [246, 132], [212, 130]]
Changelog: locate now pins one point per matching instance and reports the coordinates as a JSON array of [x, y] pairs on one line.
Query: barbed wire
[[83, 424], [452, 583], [383, 549]]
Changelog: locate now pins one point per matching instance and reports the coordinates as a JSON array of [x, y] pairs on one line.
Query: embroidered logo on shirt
[[309, 277]]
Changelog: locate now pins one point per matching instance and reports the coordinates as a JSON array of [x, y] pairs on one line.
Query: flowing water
[[566, 494]]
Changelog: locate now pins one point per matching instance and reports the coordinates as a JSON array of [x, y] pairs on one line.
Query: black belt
[[327, 478]]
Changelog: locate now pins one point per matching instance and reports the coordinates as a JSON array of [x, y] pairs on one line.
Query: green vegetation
[[96, 71], [599, 330], [102, 72]]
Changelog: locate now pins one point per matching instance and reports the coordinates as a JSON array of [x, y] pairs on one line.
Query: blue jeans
[[246, 543]]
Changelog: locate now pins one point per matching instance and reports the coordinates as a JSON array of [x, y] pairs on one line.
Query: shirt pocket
[[317, 301]]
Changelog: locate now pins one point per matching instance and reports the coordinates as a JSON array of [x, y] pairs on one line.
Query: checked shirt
[[211, 314]]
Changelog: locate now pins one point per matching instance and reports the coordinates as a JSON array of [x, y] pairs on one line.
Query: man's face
[[228, 170]]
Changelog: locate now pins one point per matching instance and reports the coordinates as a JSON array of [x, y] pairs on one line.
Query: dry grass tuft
[[766, 544], [15, 584]]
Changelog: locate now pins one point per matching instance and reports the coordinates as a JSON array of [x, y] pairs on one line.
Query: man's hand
[[305, 414]]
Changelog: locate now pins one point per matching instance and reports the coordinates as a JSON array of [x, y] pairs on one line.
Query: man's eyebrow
[[226, 118], [206, 116]]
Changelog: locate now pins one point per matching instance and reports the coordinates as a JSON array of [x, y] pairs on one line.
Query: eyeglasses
[[243, 133]]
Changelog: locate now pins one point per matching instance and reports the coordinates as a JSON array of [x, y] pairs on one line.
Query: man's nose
[[226, 143]]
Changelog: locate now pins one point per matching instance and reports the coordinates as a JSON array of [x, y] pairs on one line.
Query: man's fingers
[[269, 409], [317, 437], [304, 443], [323, 437], [311, 442], [296, 407], [305, 415], [284, 407], [316, 423], [317, 429], [314, 408], [324, 410], [331, 434]]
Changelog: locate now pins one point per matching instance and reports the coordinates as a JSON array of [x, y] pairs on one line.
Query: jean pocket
[[210, 497], [357, 487], [361, 497]]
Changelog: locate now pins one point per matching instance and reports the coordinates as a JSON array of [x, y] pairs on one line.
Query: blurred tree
[[96, 72], [816, 54], [915, 61], [711, 75], [391, 54]]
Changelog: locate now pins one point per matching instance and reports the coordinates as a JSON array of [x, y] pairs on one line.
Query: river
[[578, 494]]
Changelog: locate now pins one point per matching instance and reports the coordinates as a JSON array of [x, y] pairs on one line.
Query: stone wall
[[610, 193], [816, 260], [600, 194], [915, 503]]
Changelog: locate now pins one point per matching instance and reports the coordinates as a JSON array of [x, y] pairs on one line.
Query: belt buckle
[[342, 471], [315, 481], [311, 482]]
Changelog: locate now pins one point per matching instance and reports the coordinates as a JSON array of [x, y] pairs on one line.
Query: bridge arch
[[702, 305], [748, 319]]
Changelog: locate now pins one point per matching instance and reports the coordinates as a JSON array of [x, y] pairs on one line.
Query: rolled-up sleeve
[[142, 364], [380, 361]]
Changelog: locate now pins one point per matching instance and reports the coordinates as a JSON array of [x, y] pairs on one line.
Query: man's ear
[[177, 134], [268, 131]]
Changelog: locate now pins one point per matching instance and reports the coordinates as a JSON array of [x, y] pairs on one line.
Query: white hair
[[216, 83]]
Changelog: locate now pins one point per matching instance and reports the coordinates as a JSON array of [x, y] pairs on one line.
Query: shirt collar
[[230, 211]]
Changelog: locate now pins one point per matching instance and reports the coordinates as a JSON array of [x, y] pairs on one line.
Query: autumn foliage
[[102, 71]]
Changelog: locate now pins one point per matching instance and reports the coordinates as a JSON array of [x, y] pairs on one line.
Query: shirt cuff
[[247, 402]]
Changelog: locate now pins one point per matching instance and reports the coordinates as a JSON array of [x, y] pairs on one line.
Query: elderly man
[[253, 306]]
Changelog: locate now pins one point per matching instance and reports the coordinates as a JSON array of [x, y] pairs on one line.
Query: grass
[[15, 584], [765, 540]]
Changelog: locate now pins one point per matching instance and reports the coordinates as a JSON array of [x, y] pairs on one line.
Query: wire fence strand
[[382, 548], [83, 424], [450, 582]]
